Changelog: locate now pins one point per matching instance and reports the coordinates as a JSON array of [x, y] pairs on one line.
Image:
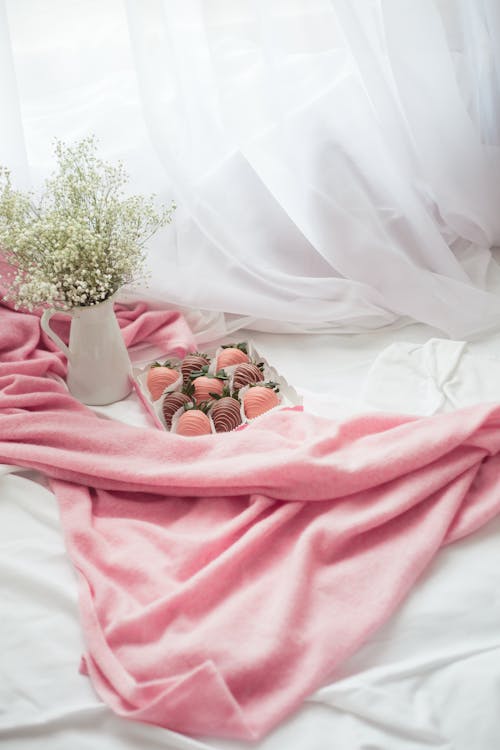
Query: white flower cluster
[[83, 239]]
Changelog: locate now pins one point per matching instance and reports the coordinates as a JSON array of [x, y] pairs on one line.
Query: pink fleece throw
[[224, 578]]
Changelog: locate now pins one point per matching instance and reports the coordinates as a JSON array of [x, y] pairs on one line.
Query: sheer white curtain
[[336, 162]]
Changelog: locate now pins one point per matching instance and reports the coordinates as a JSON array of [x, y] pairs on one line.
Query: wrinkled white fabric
[[335, 162], [438, 376]]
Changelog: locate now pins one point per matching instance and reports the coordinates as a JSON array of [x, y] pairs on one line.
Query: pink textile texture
[[224, 578]]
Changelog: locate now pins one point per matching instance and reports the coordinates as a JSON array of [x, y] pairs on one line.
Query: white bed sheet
[[429, 678]]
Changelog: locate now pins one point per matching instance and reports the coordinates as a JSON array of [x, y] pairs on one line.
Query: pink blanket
[[224, 578]]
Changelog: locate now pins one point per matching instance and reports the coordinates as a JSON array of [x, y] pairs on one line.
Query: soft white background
[[335, 162]]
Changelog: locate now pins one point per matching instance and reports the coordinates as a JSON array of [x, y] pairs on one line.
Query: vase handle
[[44, 323]]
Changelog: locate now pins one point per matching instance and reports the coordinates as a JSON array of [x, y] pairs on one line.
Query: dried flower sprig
[[83, 239]]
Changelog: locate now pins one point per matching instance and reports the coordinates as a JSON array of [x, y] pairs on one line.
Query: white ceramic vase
[[99, 370]]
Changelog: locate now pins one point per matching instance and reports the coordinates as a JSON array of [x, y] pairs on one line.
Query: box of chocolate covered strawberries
[[213, 391]]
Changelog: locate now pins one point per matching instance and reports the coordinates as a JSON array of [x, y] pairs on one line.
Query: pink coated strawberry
[[231, 356], [160, 377], [193, 423], [204, 386], [258, 400]]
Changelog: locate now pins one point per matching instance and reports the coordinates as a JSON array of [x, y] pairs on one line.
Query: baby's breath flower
[[82, 239]]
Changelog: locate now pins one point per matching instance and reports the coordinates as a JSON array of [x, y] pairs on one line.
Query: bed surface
[[429, 678]]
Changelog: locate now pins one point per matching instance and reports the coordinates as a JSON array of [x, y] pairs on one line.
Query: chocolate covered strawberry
[[191, 363], [226, 414], [247, 373], [172, 402]]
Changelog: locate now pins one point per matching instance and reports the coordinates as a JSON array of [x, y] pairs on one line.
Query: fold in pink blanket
[[223, 578]]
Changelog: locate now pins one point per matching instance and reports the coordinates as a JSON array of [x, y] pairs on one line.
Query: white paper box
[[288, 394]]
